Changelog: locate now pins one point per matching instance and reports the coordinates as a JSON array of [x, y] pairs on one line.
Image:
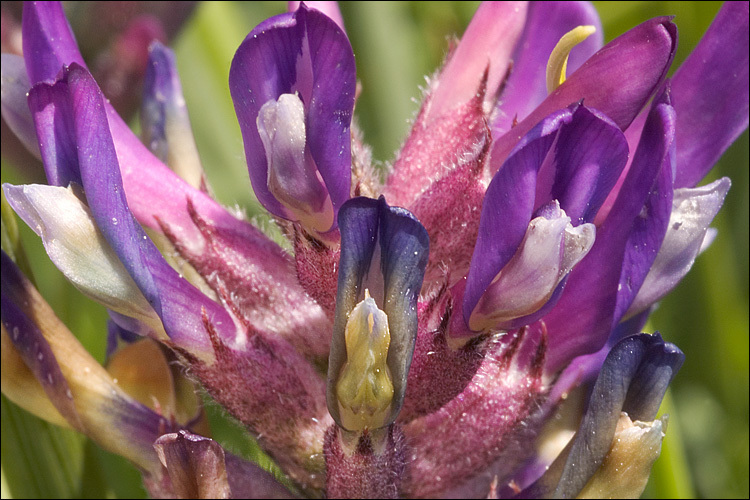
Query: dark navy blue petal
[[633, 379], [384, 249]]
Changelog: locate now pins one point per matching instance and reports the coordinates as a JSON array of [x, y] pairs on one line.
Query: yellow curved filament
[[558, 60], [364, 389]]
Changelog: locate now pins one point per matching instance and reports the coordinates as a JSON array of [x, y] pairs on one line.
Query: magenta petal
[[546, 23], [486, 45], [48, 41], [710, 94], [618, 80], [304, 52]]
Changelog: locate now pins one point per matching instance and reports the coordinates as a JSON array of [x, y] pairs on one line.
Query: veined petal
[[307, 53], [573, 156], [384, 250], [144, 177], [546, 23], [78, 248], [15, 108], [173, 298], [710, 94], [693, 209], [487, 44], [195, 465], [165, 123], [618, 80], [329, 8]]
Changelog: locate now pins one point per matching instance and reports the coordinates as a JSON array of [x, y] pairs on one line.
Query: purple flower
[[426, 329]]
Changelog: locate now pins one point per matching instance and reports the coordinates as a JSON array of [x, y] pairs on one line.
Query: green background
[[396, 44]]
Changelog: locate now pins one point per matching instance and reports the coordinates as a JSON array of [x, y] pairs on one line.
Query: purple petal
[[48, 41], [508, 208], [329, 8], [165, 123], [303, 52], [31, 344], [618, 80], [15, 108], [546, 23], [195, 465], [590, 153], [710, 94], [53, 120], [633, 379], [173, 298], [692, 211], [384, 249], [591, 295], [144, 176]]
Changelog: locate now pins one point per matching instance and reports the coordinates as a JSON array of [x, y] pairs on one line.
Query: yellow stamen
[[364, 389], [558, 60]]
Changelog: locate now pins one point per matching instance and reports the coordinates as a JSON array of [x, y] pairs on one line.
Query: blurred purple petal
[[546, 23], [486, 45], [15, 108], [710, 94], [165, 124]]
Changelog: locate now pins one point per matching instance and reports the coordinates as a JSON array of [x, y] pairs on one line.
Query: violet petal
[[165, 123], [304, 52], [495, 247], [48, 41], [710, 94], [589, 300]]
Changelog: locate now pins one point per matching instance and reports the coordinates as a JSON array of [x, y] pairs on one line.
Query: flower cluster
[[429, 326]]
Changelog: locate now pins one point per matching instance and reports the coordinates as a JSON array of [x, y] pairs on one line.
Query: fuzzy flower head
[[425, 326]]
